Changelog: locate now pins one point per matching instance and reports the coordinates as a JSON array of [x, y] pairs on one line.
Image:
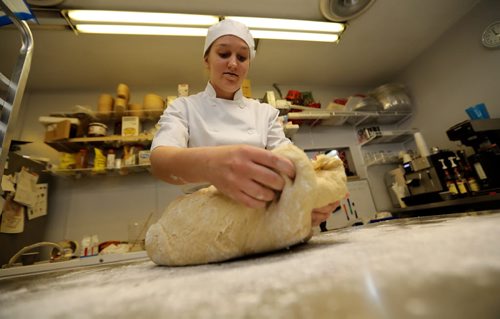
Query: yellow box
[[246, 88], [131, 126]]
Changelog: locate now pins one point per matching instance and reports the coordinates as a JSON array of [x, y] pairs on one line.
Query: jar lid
[[98, 124]]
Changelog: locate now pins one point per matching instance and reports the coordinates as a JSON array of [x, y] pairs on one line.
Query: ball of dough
[[207, 226]]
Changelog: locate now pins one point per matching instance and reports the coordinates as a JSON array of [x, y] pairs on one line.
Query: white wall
[[454, 73]]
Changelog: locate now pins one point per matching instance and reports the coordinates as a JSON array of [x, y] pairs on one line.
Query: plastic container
[[105, 104], [478, 112]]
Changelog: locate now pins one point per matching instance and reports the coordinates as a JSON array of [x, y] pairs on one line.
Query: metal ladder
[[9, 108]]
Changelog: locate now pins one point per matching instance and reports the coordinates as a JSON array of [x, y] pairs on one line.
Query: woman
[[222, 138]]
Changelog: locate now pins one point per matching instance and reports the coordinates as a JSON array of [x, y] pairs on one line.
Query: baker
[[222, 138]]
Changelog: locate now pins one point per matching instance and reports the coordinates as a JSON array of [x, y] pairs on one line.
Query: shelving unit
[[386, 137], [86, 115], [353, 118]]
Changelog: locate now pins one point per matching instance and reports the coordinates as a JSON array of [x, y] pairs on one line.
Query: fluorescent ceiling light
[[299, 36], [140, 30], [144, 23], [286, 24], [131, 17]]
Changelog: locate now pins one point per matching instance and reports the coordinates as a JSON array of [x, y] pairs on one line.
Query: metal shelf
[[335, 118], [387, 137]]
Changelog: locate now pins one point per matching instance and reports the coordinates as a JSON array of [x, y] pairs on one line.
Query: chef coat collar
[[210, 91]]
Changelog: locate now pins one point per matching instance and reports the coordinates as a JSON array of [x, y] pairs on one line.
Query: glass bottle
[[82, 158], [450, 184], [459, 180], [468, 174]]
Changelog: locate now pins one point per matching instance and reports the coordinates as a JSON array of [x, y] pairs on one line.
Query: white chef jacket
[[205, 120]]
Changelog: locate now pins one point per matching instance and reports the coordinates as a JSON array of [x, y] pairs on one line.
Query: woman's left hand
[[321, 214]]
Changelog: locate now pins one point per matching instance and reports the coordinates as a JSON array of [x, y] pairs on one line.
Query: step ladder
[[10, 104]]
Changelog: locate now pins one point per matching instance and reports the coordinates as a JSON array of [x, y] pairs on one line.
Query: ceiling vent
[[343, 10]]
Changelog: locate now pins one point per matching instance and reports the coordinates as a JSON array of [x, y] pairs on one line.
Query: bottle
[[110, 159], [459, 180], [472, 183], [81, 158], [450, 184]]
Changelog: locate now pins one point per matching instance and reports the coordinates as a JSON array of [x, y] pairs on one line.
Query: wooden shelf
[[87, 114], [80, 172], [112, 138], [72, 145]]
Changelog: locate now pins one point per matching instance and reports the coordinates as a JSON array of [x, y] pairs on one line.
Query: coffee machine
[[421, 176], [423, 181], [484, 137]]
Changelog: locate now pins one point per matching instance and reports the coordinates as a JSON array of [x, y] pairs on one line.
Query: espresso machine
[[423, 181], [484, 137]]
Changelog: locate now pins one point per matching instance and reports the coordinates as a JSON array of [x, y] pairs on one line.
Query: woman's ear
[[205, 61]]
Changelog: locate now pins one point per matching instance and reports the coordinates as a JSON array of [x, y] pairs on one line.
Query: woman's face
[[227, 61]]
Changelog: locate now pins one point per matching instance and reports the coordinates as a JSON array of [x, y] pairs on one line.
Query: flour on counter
[[444, 267]]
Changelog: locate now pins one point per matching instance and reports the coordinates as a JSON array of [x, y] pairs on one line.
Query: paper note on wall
[[40, 206], [8, 183], [2, 204], [26, 188], [12, 218]]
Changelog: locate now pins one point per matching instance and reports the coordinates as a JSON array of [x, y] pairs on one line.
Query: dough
[[207, 226]]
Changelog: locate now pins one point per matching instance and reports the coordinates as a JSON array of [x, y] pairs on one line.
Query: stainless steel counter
[[433, 267]]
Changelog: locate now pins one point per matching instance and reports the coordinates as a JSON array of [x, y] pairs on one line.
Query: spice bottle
[[82, 158], [110, 159]]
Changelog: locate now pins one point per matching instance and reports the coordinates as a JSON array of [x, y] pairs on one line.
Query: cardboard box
[[131, 126], [246, 88], [144, 157], [58, 131], [183, 89]]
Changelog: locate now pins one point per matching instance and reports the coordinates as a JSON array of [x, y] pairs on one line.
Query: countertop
[[487, 201], [444, 266]]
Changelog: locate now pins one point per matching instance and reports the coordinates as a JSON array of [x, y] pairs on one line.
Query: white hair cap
[[229, 27]]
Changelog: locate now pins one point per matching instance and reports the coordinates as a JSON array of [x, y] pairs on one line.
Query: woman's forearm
[[177, 165]]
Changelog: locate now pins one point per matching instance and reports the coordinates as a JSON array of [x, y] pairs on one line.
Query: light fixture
[[140, 30], [289, 24], [151, 23], [148, 18], [298, 36]]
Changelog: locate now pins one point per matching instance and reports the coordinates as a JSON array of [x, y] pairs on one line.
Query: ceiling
[[374, 48]]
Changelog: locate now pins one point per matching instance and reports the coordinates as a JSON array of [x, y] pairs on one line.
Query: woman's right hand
[[247, 174]]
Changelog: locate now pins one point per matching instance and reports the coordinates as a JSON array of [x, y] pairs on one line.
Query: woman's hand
[[321, 214], [247, 174]]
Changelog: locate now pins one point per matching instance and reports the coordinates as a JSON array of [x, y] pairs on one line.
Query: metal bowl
[[393, 97]]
